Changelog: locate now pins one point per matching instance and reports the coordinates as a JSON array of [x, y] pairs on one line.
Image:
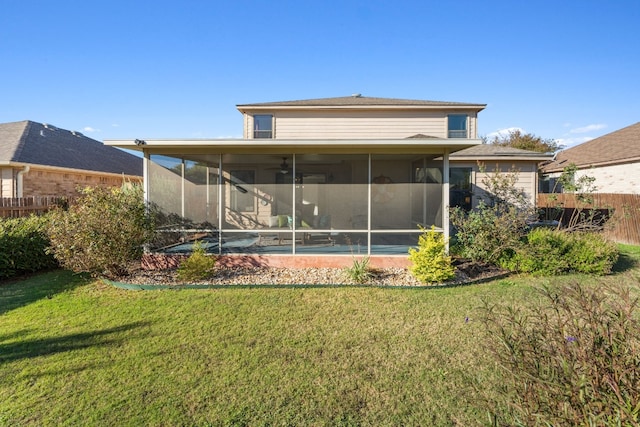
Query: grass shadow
[[29, 348], [628, 260], [18, 293], [625, 263]]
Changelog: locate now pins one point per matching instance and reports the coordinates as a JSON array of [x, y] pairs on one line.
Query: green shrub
[[572, 358], [102, 233], [494, 229], [430, 263], [197, 266], [591, 253], [551, 252], [543, 253], [487, 233], [23, 245], [360, 271]]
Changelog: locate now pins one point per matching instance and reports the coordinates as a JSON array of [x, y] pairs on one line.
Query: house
[[471, 167], [613, 160], [317, 180], [40, 160]]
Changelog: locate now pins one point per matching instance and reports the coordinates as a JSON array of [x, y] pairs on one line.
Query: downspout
[[20, 179]]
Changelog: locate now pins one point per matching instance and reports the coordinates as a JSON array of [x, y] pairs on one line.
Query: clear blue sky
[[567, 70]]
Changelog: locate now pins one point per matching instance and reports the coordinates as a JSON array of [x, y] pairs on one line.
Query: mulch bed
[[466, 272]]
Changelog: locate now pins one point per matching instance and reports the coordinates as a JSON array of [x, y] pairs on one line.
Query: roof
[[493, 151], [358, 100], [35, 143], [621, 146]]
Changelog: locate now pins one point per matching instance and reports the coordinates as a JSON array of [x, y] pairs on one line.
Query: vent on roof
[[48, 126], [41, 132], [76, 133]]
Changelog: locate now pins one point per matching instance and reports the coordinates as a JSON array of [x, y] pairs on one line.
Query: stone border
[[150, 287]]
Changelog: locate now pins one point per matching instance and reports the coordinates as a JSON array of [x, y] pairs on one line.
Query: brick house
[[40, 160]]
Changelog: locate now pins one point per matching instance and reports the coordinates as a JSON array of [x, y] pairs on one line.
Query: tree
[[525, 141]]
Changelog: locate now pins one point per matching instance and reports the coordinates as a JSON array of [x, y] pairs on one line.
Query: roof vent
[[356, 95], [76, 133], [48, 126]]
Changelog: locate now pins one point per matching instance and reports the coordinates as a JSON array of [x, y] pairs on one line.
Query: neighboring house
[[613, 160], [315, 178], [468, 182], [43, 160]]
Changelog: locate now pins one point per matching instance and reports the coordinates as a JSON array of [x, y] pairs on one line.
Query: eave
[[498, 157], [66, 170], [559, 167], [306, 146], [273, 108]]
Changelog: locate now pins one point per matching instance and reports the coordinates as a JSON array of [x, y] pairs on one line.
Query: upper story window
[[457, 126], [263, 126]]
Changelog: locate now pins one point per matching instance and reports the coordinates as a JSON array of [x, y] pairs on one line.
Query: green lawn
[[79, 352]]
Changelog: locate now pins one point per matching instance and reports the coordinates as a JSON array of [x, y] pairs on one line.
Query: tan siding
[[473, 126], [527, 177], [6, 182], [358, 125]]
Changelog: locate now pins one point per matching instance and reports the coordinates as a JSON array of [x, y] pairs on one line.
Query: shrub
[[23, 244], [543, 253], [591, 253], [430, 263], [197, 266], [552, 252], [102, 233], [494, 229], [360, 270], [486, 234], [573, 358]]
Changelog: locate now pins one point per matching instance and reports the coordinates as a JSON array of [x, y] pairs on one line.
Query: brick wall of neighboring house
[[43, 182]]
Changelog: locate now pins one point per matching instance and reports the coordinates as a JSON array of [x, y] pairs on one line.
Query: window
[[263, 126], [460, 188], [457, 126]]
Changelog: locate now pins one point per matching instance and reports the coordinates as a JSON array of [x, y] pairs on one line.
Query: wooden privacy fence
[[622, 227], [11, 207]]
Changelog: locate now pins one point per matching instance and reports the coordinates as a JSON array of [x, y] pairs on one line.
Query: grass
[[78, 352]]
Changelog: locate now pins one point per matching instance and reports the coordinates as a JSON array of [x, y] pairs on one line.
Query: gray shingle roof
[[621, 146], [362, 101], [38, 144]]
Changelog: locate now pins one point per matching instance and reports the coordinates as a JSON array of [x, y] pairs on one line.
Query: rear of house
[[314, 180]]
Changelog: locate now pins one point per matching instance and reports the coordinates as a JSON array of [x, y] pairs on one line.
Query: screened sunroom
[[353, 197]]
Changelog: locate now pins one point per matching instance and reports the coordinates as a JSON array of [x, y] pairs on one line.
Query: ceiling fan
[[283, 168]]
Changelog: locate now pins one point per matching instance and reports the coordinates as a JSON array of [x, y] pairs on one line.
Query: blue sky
[[567, 70]]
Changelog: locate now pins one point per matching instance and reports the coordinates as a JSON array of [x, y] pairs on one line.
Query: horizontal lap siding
[[527, 175], [366, 125]]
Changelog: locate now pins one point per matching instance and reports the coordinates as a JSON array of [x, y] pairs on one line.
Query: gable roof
[[621, 146], [358, 100], [35, 143], [493, 151]]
